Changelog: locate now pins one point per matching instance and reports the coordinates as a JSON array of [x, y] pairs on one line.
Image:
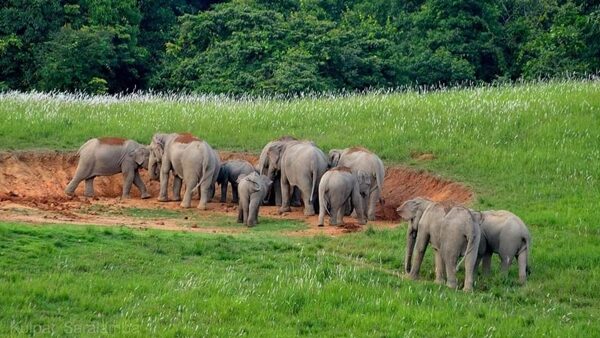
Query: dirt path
[[32, 184]]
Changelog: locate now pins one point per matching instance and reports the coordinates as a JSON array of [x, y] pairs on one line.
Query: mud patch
[[36, 179]]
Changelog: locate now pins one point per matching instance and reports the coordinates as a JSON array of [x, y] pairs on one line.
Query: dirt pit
[[32, 190]]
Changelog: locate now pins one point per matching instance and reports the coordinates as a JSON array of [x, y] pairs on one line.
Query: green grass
[[533, 149], [59, 279]]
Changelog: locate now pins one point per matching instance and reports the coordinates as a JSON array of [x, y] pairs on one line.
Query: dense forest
[[290, 46]]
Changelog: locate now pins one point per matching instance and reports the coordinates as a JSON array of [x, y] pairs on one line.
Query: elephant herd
[[294, 172]]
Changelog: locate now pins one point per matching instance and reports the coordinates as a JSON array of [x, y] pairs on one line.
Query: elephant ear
[[274, 154], [334, 157], [157, 146], [408, 210], [141, 155]]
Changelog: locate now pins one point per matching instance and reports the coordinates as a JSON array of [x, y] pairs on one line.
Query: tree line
[[290, 46]]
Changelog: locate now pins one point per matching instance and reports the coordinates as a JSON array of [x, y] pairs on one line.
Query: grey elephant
[[505, 234], [107, 156], [274, 195], [193, 162], [252, 190], [430, 224], [461, 235], [339, 187], [229, 173], [301, 164], [357, 158]]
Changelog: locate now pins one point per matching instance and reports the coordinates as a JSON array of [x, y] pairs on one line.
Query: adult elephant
[[361, 159], [505, 234], [301, 164], [193, 162], [461, 235], [273, 196], [107, 156], [451, 235]]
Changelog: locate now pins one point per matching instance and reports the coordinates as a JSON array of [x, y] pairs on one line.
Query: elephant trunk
[[410, 247], [153, 170]]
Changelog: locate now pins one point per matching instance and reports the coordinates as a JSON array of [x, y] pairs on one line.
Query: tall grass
[[532, 148]]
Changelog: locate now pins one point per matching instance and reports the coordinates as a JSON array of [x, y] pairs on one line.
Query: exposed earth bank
[[32, 185]]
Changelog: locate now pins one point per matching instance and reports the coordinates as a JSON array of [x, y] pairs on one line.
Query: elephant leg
[[165, 170], [285, 194], [470, 261], [505, 263], [450, 265], [137, 181], [420, 247], [276, 190], [240, 218], [245, 209], [373, 200], [224, 192], [70, 189], [127, 182], [486, 264], [89, 187], [234, 192], [439, 268], [340, 216], [253, 211], [190, 184], [177, 183], [205, 194], [305, 189], [322, 212], [522, 259]]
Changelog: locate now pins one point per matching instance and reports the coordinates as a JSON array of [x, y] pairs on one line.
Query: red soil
[[36, 180]]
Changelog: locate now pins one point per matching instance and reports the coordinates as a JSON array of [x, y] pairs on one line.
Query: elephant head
[[259, 181], [157, 147], [274, 157], [411, 211], [142, 157], [334, 157]]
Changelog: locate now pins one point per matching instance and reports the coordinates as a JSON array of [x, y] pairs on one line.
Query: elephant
[[192, 161], [301, 164], [357, 158], [425, 220], [450, 235], [504, 233], [229, 173], [274, 195], [339, 187], [107, 156], [252, 190], [461, 235]]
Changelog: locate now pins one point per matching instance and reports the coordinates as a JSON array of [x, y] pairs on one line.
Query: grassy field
[[530, 148]]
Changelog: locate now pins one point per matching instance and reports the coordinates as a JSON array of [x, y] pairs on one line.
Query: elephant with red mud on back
[[301, 164], [193, 162], [107, 156], [361, 159]]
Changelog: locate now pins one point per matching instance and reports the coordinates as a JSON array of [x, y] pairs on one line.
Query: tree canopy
[[290, 46]]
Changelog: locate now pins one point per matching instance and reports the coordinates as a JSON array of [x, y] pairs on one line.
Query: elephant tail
[[473, 238], [315, 174]]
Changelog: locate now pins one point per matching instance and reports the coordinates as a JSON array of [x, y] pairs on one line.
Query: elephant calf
[[252, 190], [107, 156], [229, 173], [340, 189], [504, 233]]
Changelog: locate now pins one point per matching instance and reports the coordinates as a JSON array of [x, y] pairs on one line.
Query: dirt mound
[[38, 179]]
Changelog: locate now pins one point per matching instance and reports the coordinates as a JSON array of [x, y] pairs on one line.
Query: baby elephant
[[341, 190], [108, 156], [504, 233], [229, 173], [252, 190]]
